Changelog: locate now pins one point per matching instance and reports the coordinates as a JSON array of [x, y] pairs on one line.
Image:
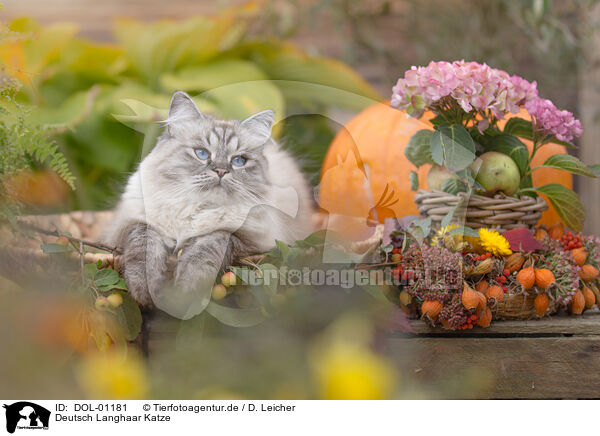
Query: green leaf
[[519, 127], [454, 185], [166, 46], [452, 147], [464, 230], [468, 180], [414, 180], [235, 317], [310, 93], [448, 218], [90, 270], [286, 62], [212, 75], [512, 147], [568, 163], [595, 169], [284, 250], [420, 228], [418, 149], [566, 202], [55, 248], [524, 129], [119, 285], [130, 316], [106, 277], [314, 239], [526, 183]]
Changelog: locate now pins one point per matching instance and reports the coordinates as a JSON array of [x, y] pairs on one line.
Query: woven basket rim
[[501, 211]]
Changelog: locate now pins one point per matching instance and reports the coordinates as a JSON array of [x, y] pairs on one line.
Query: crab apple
[[101, 303], [229, 279], [219, 292], [115, 299]]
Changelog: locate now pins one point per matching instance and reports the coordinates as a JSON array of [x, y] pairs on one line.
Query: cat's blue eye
[[238, 161], [201, 153]]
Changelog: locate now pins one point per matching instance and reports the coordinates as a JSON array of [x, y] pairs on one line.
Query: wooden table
[[556, 357]]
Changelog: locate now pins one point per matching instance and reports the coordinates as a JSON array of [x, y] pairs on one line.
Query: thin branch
[[81, 263], [98, 245]]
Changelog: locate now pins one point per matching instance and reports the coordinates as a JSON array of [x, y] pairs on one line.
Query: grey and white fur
[[193, 205]]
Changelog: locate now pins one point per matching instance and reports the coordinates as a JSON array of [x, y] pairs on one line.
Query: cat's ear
[[182, 106], [260, 125]]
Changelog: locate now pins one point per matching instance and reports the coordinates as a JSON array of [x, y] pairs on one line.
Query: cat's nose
[[221, 171]]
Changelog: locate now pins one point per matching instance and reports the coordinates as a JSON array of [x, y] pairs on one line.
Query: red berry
[[505, 289], [506, 272]]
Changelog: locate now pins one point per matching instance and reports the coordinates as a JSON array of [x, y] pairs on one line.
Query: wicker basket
[[500, 212], [515, 307]]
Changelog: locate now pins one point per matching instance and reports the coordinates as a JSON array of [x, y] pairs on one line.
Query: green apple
[[496, 172], [436, 177]]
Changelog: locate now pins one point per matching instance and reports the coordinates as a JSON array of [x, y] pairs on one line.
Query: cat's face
[[211, 157]]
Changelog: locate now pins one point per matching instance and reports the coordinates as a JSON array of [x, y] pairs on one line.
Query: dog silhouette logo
[[26, 415]]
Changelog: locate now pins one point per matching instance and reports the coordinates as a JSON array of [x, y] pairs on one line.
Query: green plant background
[[105, 100]]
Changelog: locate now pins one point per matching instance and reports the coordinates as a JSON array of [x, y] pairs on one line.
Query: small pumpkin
[[496, 293], [541, 304], [514, 262], [482, 286], [541, 234], [590, 298], [482, 301], [588, 273], [470, 298], [485, 319], [579, 255], [557, 231], [577, 304], [526, 277], [544, 277], [431, 308], [405, 298]]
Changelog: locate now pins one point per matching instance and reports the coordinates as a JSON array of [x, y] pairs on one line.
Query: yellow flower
[[110, 376], [353, 372], [439, 235], [494, 242]]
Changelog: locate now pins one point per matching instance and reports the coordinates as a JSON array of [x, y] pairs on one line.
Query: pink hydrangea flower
[[547, 118], [472, 85]]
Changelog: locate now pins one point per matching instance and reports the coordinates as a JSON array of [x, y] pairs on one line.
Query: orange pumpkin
[[365, 157], [368, 155]]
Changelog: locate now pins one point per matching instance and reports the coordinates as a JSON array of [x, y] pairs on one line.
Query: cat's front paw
[[138, 289], [193, 278]]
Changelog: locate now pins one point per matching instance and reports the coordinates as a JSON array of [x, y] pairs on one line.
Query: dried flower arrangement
[[458, 278]]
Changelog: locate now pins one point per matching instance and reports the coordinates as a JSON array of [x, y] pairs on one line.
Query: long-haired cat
[[210, 191]]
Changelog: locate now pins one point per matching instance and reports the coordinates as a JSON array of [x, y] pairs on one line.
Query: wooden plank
[[586, 324], [519, 368]]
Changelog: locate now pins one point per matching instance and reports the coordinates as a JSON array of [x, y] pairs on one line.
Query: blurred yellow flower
[[110, 376], [353, 372], [494, 242], [439, 235]]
